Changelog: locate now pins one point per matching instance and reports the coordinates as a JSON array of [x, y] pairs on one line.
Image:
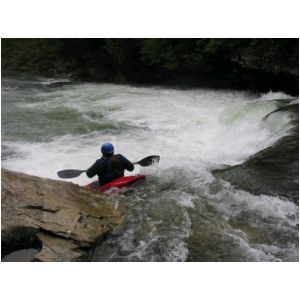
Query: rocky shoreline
[[61, 219]]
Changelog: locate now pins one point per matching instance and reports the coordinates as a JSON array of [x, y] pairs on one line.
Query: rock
[[62, 219], [273, 171]]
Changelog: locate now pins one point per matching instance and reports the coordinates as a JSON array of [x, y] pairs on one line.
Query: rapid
[[183, 212]]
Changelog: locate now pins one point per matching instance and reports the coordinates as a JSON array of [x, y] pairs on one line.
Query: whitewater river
[[183, 212]]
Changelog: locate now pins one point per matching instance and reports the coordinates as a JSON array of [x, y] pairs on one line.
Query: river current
[[183, 212]]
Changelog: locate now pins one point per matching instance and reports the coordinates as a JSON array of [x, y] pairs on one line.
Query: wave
[[274, 170]]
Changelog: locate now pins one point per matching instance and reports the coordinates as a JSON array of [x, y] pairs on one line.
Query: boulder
[[62, 219]]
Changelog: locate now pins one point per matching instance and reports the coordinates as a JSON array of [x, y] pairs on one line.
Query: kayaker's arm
[[129, 166], [94, 169]]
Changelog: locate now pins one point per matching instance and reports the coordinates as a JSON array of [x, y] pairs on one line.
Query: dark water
[[25, 255]]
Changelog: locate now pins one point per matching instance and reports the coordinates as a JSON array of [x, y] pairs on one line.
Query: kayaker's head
[[107, 149]]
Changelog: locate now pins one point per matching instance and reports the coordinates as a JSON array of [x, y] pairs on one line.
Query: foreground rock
[[64, 220]]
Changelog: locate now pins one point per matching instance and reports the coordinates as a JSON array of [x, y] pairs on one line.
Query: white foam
[[275, 96], [249, 252], [232, 202], [194, 130]]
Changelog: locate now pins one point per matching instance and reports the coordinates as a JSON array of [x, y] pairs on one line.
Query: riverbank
[[257, 65]]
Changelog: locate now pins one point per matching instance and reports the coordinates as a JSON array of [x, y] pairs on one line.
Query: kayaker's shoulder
[[100, 161], [121, 157]]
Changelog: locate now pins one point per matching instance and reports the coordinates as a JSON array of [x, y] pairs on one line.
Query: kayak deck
[[124, 181]]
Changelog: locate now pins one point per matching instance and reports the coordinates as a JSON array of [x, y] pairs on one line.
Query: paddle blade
[[149, 160], [69, 173]]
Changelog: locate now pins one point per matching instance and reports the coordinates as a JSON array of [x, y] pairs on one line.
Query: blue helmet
[[107, 148]]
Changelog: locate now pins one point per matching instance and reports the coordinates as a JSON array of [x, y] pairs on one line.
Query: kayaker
[[110, 166]]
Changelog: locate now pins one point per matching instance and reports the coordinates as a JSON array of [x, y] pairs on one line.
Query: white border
[[155, 18], [149, 18]]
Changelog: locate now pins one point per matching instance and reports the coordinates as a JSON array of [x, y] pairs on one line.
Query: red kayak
[[125, 181]]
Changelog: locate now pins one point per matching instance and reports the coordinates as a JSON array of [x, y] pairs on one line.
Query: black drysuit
[[109, 168]]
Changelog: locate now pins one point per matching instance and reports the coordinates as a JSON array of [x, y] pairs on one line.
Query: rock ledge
[[62, 219]]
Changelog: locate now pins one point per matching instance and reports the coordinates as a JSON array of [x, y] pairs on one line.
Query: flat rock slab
[[64, 218]]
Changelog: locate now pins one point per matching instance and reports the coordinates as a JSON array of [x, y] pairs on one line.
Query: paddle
[[69, 173], [148, 161], [145, 162]]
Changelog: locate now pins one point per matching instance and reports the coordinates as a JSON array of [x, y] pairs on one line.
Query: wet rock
[[273, 171], [62, 219]]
